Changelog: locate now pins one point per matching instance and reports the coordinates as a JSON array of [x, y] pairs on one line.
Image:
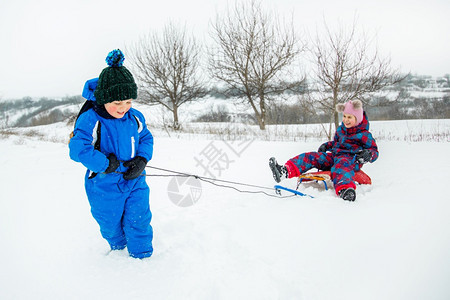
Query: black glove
[[113, 163], [363, 156], [135, 167], [323, 148]]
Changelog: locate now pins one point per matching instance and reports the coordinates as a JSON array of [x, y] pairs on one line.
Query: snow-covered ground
[[392, 243]]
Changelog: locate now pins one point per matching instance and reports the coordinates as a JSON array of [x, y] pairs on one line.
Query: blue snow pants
[[123, 212]]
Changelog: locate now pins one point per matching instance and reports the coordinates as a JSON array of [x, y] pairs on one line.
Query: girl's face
[[118, 109], [349, 120]]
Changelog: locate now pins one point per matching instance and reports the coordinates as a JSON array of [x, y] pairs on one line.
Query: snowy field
[[392, 243]]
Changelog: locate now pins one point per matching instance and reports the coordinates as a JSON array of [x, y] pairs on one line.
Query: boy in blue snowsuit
[[117, 193]]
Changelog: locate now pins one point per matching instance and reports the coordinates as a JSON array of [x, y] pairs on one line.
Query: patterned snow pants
[[342, 167]]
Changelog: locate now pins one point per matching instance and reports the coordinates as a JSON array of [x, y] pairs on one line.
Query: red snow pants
[[342, 167]]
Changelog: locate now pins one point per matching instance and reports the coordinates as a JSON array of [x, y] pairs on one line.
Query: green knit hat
[[115, 82]]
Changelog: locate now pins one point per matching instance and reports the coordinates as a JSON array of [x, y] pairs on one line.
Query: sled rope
[[214, 181]]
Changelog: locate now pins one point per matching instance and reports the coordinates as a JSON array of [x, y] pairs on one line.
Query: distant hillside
[[417, 97], [27, 112]]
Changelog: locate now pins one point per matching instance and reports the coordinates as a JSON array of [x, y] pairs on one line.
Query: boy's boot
[[279, 172], [348, 194]]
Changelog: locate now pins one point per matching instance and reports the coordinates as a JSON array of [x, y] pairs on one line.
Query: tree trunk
[[336, 120], [262, 106], [262, 121], [176, 124], [335, 114]]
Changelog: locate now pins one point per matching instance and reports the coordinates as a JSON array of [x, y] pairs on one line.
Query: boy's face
[[349, 120], [118, 109]]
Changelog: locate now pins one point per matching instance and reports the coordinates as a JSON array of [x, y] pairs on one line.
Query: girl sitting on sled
[[352, 146]]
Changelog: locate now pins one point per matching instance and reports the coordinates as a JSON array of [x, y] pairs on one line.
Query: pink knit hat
[[352, 108]]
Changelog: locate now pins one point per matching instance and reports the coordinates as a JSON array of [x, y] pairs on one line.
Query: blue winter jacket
[[126, 137]]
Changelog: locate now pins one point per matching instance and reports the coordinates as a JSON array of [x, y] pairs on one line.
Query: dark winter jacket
[[348, 141]]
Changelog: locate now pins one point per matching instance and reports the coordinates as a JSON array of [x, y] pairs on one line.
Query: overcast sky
[[51, 47]]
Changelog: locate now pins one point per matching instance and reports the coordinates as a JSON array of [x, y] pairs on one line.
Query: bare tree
[[167, 68], [252, 54], [347, 67]]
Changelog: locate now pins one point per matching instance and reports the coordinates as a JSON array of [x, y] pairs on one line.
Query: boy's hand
[[135, 167], [113, 163], [363, 156]]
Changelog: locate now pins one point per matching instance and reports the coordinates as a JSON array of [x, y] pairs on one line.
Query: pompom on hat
[[115, 82], [352, 107]]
